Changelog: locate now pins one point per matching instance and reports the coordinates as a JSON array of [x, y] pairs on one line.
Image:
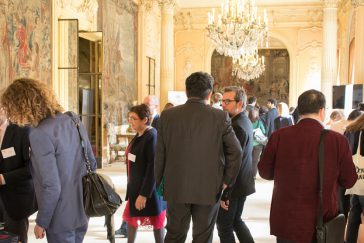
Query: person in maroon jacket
[[291, 160]]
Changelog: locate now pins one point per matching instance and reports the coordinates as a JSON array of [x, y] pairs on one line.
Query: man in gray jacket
[[197, 155]]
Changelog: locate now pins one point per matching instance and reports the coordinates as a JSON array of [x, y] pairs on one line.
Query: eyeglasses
[[227, 101], [130, 118]]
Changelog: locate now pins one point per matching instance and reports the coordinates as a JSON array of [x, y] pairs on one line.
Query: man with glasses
[[229, 217], [197, 156]]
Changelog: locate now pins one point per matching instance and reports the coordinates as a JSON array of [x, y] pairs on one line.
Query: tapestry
[[120, 60], [273, 83], [25, 40]]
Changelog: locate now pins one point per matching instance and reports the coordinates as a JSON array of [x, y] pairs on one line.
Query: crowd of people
[[194, 162]]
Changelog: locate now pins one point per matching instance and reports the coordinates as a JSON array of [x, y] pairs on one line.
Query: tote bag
[[358, 188]]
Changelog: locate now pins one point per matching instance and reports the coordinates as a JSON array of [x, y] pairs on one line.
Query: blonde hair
[[283, 109], [27, 102]]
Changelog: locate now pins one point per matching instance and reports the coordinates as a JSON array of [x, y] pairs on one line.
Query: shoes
[[123, 231]]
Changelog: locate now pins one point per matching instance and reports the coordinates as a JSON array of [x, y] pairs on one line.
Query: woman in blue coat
[[57, 163]]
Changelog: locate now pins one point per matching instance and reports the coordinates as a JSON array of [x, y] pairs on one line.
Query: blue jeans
[[357, 208], [230, 221]]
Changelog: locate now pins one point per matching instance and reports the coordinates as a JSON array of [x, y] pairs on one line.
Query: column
[[167, 50], [359, 41], [329, 59], [142, 67]]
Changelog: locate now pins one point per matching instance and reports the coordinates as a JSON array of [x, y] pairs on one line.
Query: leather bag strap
[[320, 216], [83, 144]]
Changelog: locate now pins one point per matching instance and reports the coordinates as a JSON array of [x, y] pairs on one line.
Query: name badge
[[9, 152], [131, 157]]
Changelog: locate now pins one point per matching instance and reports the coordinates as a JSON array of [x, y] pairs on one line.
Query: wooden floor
[[256, 213]]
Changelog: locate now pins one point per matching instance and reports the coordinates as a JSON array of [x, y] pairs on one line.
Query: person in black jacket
[[16, 186], [229, 218], [271, 116], [144, 206]]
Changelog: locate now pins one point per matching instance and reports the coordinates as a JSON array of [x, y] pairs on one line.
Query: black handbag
[[99, 197], [333, 230]]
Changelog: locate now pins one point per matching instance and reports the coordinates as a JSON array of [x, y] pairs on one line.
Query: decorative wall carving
[[184, 19], [25, 46]]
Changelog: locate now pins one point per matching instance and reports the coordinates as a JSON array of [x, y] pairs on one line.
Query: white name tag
[[9, 152], [131, 157]]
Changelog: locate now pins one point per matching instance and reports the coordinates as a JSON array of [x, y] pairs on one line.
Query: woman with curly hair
[[57, 163]]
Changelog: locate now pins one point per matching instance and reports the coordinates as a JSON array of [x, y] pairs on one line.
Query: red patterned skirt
[[156, 221]]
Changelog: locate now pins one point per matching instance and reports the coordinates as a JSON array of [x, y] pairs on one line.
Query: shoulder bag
[[99, 197], [333, 230]]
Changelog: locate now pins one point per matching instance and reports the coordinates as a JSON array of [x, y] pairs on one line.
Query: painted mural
[[120, 60], [25, 40], [274, 83]]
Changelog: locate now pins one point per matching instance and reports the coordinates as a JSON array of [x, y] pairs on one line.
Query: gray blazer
[[197, 151], [57, 167]]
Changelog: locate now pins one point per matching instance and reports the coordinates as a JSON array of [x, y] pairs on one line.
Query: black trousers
[[18, 227], [179, 219], [229, 221]]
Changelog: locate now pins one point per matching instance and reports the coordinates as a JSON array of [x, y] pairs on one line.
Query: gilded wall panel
[[25, 40]]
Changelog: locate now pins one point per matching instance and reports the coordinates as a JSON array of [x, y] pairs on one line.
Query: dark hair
[[354, 114], [252, 99], [263, 110], [168, 106], [361, 106], [273, 101], [199, 85], [239, 93], [310, 102], [142, 112], [253, 114]]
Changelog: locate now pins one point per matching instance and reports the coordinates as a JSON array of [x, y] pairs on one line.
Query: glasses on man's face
[[130, 118], [227, 101]]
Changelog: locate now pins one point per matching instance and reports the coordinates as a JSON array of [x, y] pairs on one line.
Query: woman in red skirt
[[144, 206]]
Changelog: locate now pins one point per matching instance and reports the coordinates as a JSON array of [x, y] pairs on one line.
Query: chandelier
[[248, 67], [238, 30]]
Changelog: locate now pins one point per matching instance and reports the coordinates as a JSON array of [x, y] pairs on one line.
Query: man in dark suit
[[291, 160], [197, 155], [271, 115], [229, 219], [16, 186]]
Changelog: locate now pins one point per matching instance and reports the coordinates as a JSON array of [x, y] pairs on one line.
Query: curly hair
[[28, 101]]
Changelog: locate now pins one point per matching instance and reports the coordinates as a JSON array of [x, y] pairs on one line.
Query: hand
[[140, 202], [225, 205], [39, 232]]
